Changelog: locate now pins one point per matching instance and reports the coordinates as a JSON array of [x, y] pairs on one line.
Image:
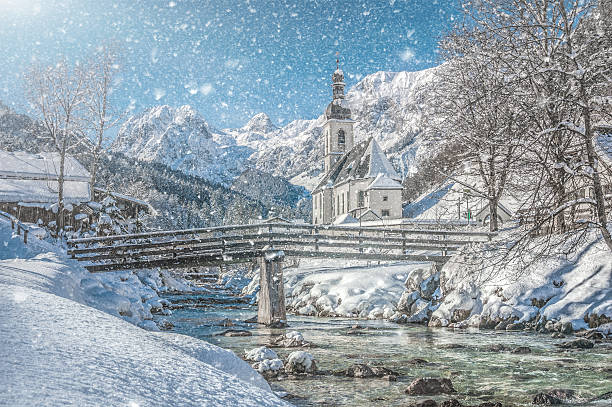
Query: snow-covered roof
[[21, 165], [127, 198], [347, 218], [34, 178], [365, 160], [369, 215], [379, 163], [500, 206], [382, 181]]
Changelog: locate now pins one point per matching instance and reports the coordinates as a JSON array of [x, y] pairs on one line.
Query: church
[[358, 182]]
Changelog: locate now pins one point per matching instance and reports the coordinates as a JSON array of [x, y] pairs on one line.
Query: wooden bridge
[[269, 243]]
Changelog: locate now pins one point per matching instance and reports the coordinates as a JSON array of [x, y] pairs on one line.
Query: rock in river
[[362, 371], [580, 343], [543, 398], [235, 332], [300, 362], [430, 386]]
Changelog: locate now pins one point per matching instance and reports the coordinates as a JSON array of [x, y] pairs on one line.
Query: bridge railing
[[241, 243]]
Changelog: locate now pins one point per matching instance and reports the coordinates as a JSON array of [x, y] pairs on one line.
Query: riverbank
[[477, 288], [71, 338]]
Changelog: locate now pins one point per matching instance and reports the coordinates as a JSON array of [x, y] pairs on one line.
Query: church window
[[337, 204], [385, 212], [385, 198], [315, 202], [341, 138], [347, 202], [342, 203], [360, 199]]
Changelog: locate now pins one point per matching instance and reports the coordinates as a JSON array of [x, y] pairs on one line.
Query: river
[[479, 371]]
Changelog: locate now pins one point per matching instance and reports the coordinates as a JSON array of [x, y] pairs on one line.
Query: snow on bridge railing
[[272, 231], [289, 229], [17, 223]]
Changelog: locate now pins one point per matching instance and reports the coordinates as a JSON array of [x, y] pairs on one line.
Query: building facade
[[358, 180]]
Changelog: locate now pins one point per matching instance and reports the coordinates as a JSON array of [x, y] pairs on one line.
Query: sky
[[228, 59]]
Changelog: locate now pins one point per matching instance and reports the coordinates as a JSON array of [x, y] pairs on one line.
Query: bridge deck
[[244, 243]]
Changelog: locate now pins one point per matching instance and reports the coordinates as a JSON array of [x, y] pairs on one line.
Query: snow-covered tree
[[56, 93], [100, 115]]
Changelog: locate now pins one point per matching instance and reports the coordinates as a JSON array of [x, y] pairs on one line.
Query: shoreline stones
[[428, 386]]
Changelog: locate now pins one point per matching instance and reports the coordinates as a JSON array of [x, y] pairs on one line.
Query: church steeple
[[338, 127], [338, 82]]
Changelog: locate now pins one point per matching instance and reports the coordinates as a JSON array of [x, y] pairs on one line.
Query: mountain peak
[[260, 123]]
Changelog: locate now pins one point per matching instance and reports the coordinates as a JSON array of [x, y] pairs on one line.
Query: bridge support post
[[271, 310]]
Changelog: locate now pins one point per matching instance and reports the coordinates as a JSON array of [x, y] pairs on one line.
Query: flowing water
[[478, 373]]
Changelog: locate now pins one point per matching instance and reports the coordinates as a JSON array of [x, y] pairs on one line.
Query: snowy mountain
[[19, 132], [181, 139], [385, 105]]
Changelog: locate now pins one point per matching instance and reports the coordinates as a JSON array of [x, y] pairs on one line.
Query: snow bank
[[334, 288], [56, 342], [73, 354], [568, 290]]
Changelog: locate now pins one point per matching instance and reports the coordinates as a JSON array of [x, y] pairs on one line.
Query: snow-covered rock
[[557, 291], [259, 354], [300, 362], [269, 366]]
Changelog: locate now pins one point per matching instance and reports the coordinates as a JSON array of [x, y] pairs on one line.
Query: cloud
[[407, 55]]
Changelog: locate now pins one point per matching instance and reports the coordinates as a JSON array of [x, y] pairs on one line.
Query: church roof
[[382, 181], [365, 160]]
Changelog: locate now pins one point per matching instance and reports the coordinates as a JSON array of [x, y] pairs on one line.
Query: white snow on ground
[[58, 350], [570, 289], [343, 288]]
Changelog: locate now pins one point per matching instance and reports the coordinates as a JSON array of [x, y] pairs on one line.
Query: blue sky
[[228, 59]]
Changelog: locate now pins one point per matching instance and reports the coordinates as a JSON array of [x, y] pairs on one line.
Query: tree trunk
[[60, 189], [493, 219], [600, 203]]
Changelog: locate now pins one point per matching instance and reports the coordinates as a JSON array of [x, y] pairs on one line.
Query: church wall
[[322, 207], [356, 186], [341, 199], [393, 203]]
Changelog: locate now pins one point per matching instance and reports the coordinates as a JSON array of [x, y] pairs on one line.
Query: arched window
[[341, 137]]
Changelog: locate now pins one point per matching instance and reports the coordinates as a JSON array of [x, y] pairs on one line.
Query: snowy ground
[[57, 349]]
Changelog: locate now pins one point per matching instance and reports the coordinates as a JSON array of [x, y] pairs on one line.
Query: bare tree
[[476, 103], [56, 93], [554, 50], [100, 114]]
